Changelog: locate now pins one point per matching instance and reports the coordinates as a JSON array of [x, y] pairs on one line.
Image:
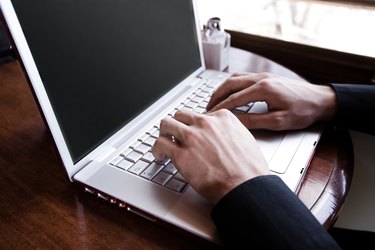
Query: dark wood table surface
[[40, 208]]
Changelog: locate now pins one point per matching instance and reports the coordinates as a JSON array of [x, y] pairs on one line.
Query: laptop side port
[[102, 196], [141, 213], [105, 197], [121, 205], [89, 190], [112, 201]]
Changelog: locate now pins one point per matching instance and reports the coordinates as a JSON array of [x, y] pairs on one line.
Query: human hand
[[292, 104], [214, 152]]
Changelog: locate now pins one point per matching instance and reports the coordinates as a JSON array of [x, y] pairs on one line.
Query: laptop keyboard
[[138, 159]]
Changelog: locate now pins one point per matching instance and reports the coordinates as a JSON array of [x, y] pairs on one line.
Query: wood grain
[[41, 209]]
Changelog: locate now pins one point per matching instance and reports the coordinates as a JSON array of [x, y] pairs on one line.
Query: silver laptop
[[104, 74]]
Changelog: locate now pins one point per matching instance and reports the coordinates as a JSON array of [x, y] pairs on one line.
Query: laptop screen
[[103, 62]]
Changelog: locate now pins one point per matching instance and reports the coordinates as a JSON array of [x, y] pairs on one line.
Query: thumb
[[269, 120]]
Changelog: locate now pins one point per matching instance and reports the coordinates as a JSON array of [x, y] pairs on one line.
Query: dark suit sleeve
[[264, 212], [355, 107]]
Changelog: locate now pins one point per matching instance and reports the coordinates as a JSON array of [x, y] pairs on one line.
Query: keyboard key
[[155, 134], [192, 105], [172, 113], [192, 96], [142, 137], [149, 141], [243, 109], [138, 167], [126, 152], [170, 168], [165, 161], [203, 104], [179, 177], [202, 94], [135, 144], [151, 170], [169, 116], [199, 110], [187, 108], [116, 160], [133, 156], [197, 99], [142, 148], [162, 178], [175, 184], [207, 99], [148, 157], [251, 104], [152, 130], [207, 89], [124, 164], [180, 106]]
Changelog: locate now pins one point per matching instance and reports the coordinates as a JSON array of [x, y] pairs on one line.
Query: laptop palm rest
[[149, 197], [188, 209], [278, 147]]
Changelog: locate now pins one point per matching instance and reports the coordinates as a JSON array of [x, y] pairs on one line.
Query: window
[[345, 25]]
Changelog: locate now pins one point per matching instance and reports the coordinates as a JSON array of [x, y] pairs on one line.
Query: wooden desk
[[40, 208]]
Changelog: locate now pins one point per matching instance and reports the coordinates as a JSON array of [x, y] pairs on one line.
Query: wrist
[[328, 103]]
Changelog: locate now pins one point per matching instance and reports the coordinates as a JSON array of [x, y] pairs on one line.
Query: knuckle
[[177, 114], [189, 133], [201, 119], [225, 113], [264, 84], [162, 123], [279, 121], [265, 75]]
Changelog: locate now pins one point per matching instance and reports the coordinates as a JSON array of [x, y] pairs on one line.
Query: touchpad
[[268, 141], [277, 147]]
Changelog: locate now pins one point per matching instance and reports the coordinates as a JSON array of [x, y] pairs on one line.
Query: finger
[[242, 73], [185, 116], [172, 129], [163, 147], [231, 85], [251, 94], [234, 84], [271, 120]]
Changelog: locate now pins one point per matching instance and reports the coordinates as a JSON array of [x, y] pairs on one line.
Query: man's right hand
[[292, 104]]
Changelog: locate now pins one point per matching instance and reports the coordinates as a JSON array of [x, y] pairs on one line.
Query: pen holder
[[216, 45]]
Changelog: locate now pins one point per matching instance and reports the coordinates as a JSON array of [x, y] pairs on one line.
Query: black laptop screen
[[103, 62]]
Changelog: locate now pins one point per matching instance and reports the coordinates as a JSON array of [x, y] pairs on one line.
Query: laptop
[[104, 73]]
